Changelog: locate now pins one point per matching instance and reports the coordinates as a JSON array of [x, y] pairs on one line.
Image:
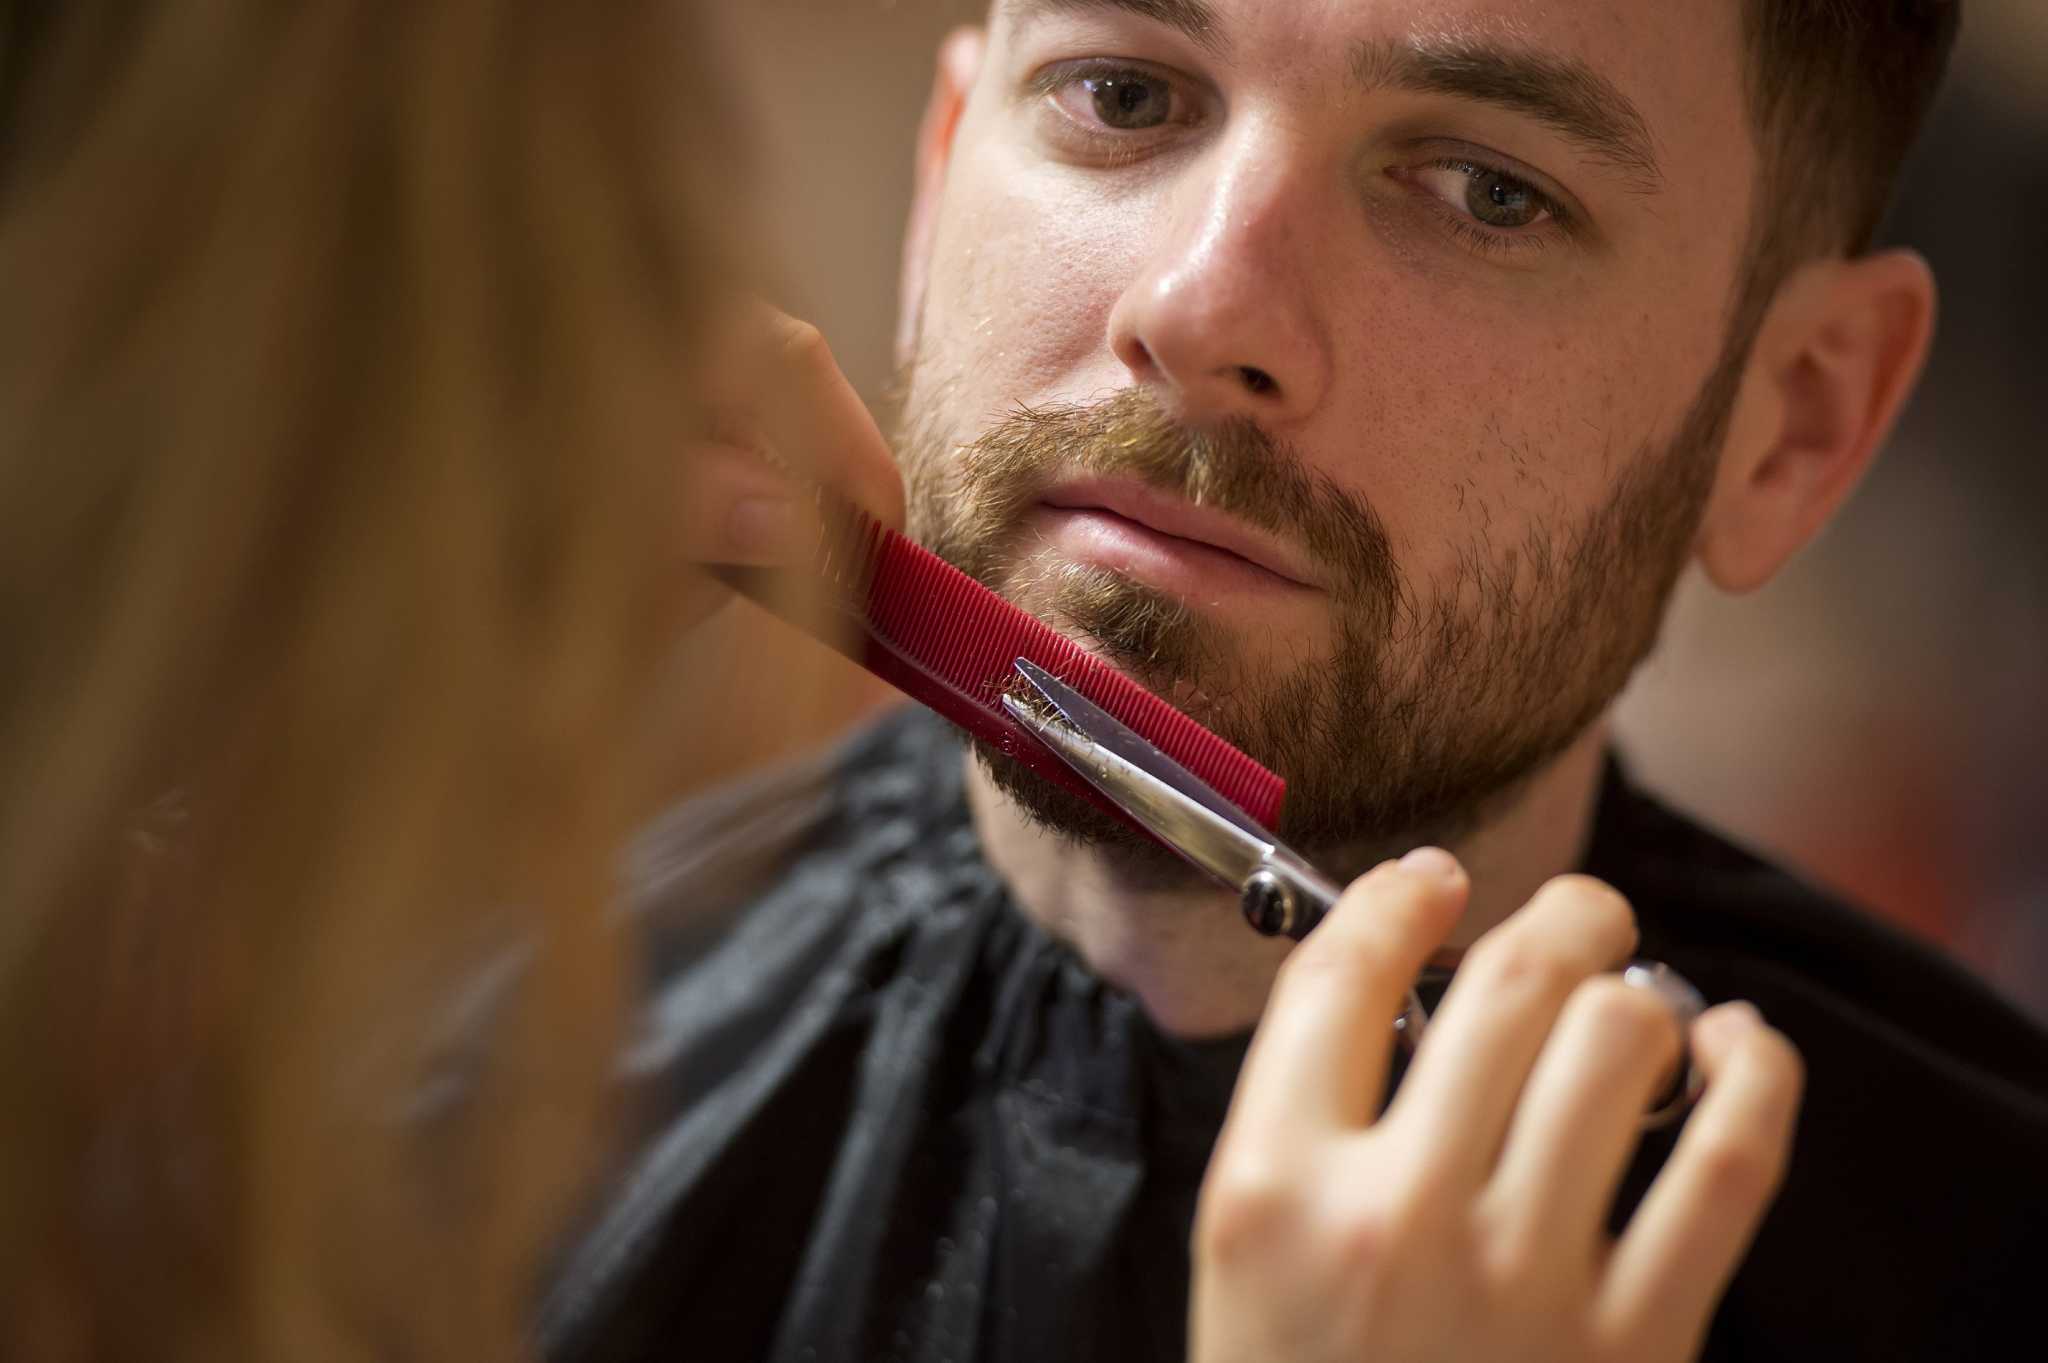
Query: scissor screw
[[1268, 903]]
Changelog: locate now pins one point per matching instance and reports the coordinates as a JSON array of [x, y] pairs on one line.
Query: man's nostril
[[1257, 380]]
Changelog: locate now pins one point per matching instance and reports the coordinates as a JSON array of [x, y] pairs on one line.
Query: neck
[[1182, 948]]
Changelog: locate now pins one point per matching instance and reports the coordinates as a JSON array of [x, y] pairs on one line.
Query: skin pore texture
[[1360, 376]]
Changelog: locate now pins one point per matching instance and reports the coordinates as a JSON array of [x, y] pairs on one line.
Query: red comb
[[945, 640]]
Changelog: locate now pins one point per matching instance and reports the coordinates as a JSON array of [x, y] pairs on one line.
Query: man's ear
[[959, 66], [1835, 358]]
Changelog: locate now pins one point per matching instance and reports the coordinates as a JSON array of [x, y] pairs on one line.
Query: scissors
[[1280, 892]]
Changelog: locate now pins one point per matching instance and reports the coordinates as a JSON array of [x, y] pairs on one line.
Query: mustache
[[1235, 467]]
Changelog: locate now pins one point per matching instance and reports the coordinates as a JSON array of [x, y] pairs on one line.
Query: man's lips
[[1135, 522]]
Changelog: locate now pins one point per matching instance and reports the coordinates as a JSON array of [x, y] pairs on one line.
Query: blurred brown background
[[1873, 717]]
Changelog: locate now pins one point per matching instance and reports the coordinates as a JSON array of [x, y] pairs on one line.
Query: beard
[[1420, 715]]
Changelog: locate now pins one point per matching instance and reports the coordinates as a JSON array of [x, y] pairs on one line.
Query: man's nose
[[1221, 321]]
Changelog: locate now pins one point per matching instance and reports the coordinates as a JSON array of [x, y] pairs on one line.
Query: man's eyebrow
[[1192, 18], [1561, 92]]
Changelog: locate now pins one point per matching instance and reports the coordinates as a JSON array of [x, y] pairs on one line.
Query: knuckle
[[1739, 1169], [1515, 1257], [1778, 1068], [1575, 886], [1247, 1206], [1594, 903], [1361, 1239], [1365, 898], [1521, 963], [1633, 1017], [801, 344], [1314, 956], [1327, 961], [1433, 1206], [1783, 1066], [1512, 1257]]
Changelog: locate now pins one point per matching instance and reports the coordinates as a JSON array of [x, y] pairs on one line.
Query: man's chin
[[1078, 821], [1054, 808]]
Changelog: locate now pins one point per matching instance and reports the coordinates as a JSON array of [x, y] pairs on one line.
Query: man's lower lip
[[1105, 539]]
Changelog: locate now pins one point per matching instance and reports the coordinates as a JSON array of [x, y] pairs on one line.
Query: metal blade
[[1113, 734], [1215, 845]]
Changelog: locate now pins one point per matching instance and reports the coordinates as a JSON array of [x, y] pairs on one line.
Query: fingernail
[[1431, 861], [761, 522]]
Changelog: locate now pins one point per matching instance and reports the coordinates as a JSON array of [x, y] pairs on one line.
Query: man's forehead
[[1219, 24], [1198, 19]]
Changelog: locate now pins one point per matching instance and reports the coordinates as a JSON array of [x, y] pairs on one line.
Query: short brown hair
[[1837, 92]]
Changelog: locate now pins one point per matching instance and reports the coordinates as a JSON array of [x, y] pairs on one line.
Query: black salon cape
[[882, 1116]]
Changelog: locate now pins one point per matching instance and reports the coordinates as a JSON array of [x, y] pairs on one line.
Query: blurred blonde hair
[[340, 383]]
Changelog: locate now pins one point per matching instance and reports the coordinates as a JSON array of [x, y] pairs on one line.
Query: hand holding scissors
[[1469, 1219], [1280, 892]]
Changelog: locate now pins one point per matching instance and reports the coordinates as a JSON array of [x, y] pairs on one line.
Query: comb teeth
[[927, 615]]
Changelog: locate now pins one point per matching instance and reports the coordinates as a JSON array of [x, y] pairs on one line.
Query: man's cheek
[[1035, 278], [1469, 439]]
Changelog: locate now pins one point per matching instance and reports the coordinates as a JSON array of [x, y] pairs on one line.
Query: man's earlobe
[[959, 66], [1836, 357]]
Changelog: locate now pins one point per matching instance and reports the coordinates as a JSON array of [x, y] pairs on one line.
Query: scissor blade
[[1213, 844], [1112, 733]]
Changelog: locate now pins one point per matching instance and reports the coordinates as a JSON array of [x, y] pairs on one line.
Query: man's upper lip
[[1170, 515]]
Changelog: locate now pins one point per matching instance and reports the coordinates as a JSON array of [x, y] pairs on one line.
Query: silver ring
[[1686, 1005]]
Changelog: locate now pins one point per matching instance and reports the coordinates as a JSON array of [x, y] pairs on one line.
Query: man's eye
[[1491, 197], [1121, 100]]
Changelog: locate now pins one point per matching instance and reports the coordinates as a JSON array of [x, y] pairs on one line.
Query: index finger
[[1322, 1049], [813, 419]]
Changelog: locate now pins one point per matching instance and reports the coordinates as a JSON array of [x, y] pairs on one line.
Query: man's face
[[1350, 371]]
